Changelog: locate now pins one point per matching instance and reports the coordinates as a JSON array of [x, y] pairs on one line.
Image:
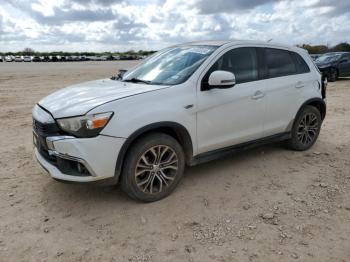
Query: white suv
[[182, 106]]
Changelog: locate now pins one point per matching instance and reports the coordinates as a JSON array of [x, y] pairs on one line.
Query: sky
[[121, 25]]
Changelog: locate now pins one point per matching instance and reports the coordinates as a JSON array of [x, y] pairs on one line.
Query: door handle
[[258, 95], [299, 85]]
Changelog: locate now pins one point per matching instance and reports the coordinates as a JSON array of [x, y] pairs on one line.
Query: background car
[[315, 56], [36, 59], [27, 59], [46, 59], [334, 65], [18, 58], [8, 58], [55, 58]]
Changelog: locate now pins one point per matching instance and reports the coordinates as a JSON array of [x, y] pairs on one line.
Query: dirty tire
[[153, 167], [306, 129]]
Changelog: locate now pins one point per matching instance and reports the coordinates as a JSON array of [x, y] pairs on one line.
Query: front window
[[328, 58], [171, 66], [242, 62]]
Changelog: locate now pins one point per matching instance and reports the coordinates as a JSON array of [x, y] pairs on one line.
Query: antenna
[[269, 40]]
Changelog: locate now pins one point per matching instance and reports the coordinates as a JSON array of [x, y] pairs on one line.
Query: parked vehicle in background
[[315, 56], [1, 59], [78, 58], [74, 58], [27, 59], [55, 59], [110, 58], [334, 65], [9, 58], [100, 58], [184, 105], [128, 57], [67, 59], [46, 59], [36, 59], [18, 58]]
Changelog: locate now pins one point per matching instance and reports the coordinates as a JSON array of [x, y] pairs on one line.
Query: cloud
[[229, 6], [334, 8], [97, 2], [66, 16], [108, 25]]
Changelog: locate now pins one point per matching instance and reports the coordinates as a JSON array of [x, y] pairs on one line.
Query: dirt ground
[[266, 204]]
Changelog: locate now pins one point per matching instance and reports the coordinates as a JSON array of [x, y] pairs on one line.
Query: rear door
[[344, 65], [283, 87]]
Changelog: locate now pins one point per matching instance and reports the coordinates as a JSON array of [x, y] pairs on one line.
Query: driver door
[[227, 117]]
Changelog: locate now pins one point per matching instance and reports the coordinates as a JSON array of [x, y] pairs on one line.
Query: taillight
[[324, 86]]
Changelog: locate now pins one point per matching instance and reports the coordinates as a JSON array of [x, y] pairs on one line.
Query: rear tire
[[306, 129], [153, 167]]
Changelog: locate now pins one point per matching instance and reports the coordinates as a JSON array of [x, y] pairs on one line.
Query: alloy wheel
[[156, 169], [308, 129]]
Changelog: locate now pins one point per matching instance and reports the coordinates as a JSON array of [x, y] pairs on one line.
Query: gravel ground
[[266, 204]]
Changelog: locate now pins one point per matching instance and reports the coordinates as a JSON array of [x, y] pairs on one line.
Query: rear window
[[279, 63], [300, 63]]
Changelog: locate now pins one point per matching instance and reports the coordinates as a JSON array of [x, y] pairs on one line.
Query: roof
[[236, 42], [336, 53], [209, 42]]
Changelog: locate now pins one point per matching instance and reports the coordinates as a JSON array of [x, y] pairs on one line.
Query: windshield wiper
[[136, 80]]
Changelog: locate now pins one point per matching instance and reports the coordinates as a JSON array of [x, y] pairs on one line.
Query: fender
[[181, 133], [316, 101]]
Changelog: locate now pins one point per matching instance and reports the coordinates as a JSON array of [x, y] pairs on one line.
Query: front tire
[[153, 167], [306, 129]]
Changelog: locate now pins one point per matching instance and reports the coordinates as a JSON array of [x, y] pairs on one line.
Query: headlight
[[85, 126]]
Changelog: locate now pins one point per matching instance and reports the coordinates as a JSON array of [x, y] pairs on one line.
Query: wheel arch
[[175, 130], [315, 102]]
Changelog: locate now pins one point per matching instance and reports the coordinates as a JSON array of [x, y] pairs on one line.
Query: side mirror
[[221, 79]]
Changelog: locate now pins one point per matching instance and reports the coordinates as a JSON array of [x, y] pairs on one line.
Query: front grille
[[43, 130], [46, 129]]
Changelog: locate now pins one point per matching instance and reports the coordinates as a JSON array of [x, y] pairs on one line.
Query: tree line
[[321, 49]]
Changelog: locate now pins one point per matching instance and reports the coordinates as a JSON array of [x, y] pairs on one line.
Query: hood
[[78, 99], [324, 64]]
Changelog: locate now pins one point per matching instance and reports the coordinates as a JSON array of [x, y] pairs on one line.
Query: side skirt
[[219, 153]]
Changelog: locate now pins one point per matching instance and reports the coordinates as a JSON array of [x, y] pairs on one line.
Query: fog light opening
[[81, 168]]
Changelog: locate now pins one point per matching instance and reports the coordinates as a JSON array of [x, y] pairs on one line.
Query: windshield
[[328, 58], [171, 66]]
